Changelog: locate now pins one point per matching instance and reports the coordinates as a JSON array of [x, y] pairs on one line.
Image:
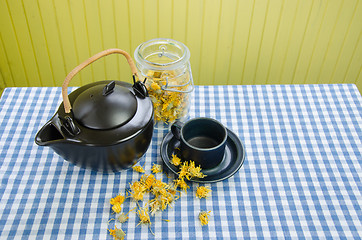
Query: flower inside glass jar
[[165, 64], [168, 105]]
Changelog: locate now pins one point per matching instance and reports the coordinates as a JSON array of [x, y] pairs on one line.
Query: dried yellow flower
[[118, 199], [189, 171], [157, 186], [155, 205], [164, 194], [195, 171], [180, 182], [175, 160], [137, 191], [138, 169], [148, 181], [117, 233], [168, 105], [204, 217], [184, 170], [155, 86], [117, 208], [122, 218], [203, 192], [144, 216], [156, 168]]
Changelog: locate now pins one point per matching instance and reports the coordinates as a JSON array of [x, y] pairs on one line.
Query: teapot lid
[[105, 106]]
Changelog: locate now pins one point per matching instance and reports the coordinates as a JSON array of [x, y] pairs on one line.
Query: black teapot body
[[103, 126]]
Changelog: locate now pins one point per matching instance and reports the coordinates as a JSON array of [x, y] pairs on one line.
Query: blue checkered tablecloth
[[301, 177]]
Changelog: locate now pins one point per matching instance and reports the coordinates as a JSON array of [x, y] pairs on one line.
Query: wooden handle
[[67, 106]]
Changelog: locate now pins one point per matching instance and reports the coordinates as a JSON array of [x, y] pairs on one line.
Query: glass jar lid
[[162, 54]]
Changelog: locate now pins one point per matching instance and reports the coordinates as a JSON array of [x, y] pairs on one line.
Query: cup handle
[[176, 129]]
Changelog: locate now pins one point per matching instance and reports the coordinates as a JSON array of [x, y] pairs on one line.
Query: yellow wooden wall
[[231, 41]]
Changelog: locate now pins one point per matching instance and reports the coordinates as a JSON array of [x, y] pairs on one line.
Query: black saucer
[[233, 158]]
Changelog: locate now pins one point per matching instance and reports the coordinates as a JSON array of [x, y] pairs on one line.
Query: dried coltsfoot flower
[[188, 170], [203, 192], [137, 191], [157, 186], [175, 160], [165, 194], [117, 208], [156, 168], [122, 218], [138, 169], [204, 217], [117, 233], [117, 199], [193, 171], [184, 171], [144, 216], [148, 181], [180, 182], [116, 203], [168, 105]]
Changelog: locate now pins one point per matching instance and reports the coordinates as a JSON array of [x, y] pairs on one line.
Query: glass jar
[[166, 65]]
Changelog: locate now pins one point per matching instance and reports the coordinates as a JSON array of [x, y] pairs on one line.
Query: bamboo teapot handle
[[67, 105]]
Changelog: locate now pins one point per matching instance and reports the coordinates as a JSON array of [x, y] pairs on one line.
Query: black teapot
[[103, 126]]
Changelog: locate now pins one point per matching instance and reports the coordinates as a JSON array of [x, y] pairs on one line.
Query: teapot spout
[[48, 134]]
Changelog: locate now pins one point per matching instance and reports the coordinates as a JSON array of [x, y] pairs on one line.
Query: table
[[301, 177]]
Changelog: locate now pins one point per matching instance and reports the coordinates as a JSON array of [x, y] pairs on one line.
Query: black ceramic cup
[[202, 140]]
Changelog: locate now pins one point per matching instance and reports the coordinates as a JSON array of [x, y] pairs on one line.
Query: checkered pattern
[[301, 177]]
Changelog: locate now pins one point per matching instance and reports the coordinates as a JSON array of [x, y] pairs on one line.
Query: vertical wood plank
[[317, 14], [209, 34], [137, 34], [225, 42], [295, 41], [67, 39], [355, 64], [2, 83], [39, 43], [256, 34], [320, 48], [109, 39], [165, 18], [349, 47], [95, 37], [359, 81], [150, 23], [280, 49], [193, 35], [5, 71], [81, 39], [241, 41], [272, 23], [23, 39], [52, 36], [122, 35], [180, 16], [337, 41], [11, 63]]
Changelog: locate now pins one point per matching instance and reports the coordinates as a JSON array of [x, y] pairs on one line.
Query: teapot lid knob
[[108, 89]]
